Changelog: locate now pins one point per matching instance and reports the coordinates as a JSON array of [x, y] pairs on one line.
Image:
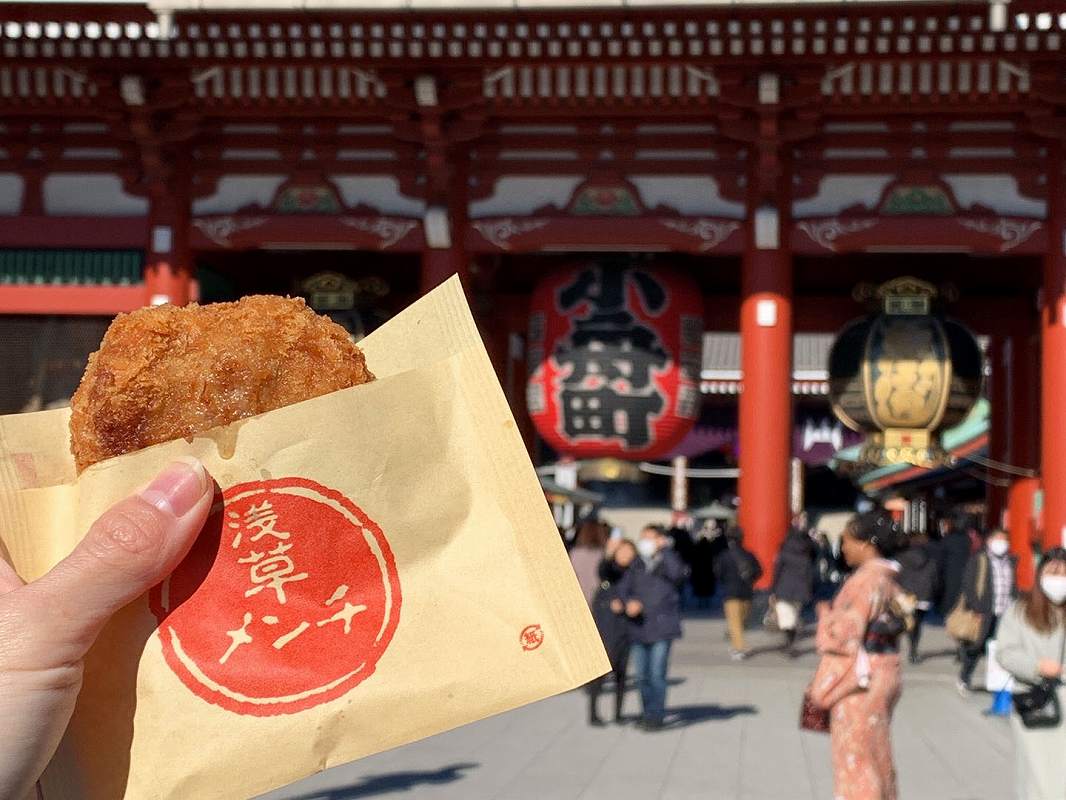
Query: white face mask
[[998, 547], [1054, 587], [647, 547]]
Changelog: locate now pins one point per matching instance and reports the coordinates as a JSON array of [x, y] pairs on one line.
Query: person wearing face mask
[[609, 613], [1030, 645], [650, 592], [988, 590]]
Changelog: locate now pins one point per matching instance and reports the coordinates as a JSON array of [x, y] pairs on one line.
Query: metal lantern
[[614, 355], [903, 374]]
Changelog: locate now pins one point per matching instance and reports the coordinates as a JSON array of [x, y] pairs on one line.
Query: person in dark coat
[[608, 611], [828, 574], [737, 570], [955, 553], [704, 550], [988, 588], [919, 574], [651, 591], [793, 584]]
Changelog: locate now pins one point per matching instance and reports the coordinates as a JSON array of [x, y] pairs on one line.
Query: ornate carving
[[710, 232], [302, 198], [911, 200], [1012, 232], [388, 229], [619, 200], [825, 232], [500, 231], [220, 229]]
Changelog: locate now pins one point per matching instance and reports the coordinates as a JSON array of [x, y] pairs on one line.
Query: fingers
[[128, 550]]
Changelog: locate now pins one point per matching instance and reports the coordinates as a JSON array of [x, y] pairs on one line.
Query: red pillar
[[1024, 411], [1021, 527], [1000, 351], [439, 265], [766, 400], [448, 209], [168, 268], [1053, 331]]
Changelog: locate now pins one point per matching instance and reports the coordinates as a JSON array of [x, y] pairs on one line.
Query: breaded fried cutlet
[[165, 373]]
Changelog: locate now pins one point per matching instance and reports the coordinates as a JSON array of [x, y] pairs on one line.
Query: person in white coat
[[1030, 645]]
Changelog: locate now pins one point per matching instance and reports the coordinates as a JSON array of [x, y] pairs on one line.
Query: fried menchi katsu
[[165, 373]]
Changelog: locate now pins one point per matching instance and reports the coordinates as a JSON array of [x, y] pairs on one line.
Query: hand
[[634, 608], [617, 606], [663, 541], [612, 547], [1049, 668], [46, 627]]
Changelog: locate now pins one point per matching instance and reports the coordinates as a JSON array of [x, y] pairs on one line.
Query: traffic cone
[[1001, 704]]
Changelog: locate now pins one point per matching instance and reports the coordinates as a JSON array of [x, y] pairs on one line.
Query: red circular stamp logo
[[532, 637], [287, 600]]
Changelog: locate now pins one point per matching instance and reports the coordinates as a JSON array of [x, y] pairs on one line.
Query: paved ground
[[734, 738]]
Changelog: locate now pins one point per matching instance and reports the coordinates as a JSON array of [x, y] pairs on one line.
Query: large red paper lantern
[[614, 358]]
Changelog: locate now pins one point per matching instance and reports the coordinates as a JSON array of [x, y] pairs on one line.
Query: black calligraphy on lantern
[[607, 362]]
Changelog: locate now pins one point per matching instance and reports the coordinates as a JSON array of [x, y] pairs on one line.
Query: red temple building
[[778, 154]]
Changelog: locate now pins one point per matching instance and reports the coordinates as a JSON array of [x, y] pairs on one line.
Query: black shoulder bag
[[1039, 706]]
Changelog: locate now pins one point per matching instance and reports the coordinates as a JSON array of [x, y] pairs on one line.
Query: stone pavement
[[735, 737]]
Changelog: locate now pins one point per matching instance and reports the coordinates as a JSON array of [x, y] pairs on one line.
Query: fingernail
[[178, 488]]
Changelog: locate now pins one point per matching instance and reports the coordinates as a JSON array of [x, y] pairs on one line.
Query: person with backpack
[[918, 576], [793, 585], [737, 570]]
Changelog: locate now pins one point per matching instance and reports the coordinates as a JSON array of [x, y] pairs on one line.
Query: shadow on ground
[[684, 716], [373, 785]]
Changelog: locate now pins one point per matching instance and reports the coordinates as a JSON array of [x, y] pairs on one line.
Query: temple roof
[[459, 5]]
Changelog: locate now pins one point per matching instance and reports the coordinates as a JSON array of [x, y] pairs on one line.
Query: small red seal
[[532, 637], [288, 599]]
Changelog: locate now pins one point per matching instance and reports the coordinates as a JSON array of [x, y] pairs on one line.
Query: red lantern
[[614, 357]]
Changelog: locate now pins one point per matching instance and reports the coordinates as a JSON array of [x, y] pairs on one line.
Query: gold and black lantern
[[903, 374]]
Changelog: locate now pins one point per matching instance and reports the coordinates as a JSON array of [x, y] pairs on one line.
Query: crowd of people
[[869, 596]]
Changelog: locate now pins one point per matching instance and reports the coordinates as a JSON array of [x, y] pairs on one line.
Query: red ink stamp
[[288, 599], [532, 637]]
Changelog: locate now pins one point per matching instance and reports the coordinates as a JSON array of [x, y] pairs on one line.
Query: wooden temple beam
[[366, 55], [73, 300], [1017, 140], [883, 164]]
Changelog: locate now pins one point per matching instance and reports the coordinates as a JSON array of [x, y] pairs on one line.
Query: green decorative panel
[[605, 201], [71, 267], [920, 201]]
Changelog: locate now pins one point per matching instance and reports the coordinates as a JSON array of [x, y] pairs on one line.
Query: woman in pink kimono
[[858, 679]]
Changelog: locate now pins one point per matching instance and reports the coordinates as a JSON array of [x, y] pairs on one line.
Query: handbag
[[813, 718], [1039, 706], [963, 624]]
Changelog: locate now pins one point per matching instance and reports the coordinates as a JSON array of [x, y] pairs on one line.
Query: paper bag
[[383, 567]]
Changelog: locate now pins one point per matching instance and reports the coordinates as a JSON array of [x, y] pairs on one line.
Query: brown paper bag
[[384, 567]]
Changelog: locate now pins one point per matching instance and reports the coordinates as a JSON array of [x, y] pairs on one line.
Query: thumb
[[129, 549]]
